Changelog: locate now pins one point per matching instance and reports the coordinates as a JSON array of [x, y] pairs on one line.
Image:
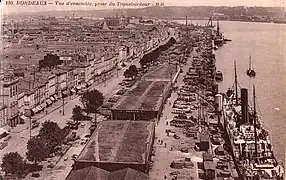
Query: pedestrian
[[60, 111], [165, 145], [167, 123], [165, 177]]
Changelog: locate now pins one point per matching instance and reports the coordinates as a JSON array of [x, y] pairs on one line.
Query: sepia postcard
[[142, 90]]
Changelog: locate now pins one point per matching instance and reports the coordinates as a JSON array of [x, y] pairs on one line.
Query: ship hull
[[218, 42], [229, 139], [230, 146], [250, 72]]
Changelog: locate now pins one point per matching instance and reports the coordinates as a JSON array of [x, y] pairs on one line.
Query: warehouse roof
[[146, 95], [94, 173], [119, 142]]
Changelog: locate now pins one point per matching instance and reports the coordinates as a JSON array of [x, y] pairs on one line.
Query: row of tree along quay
[[50, 139], [153, 56], [91, 101], [132, 71]]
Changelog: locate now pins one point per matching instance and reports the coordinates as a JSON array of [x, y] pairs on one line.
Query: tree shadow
[[32, 167]]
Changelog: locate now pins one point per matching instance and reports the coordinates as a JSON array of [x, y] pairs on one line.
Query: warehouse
[[143, 102], [117, 145]]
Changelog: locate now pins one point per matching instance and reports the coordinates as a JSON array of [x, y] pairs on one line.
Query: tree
[[77, 113], [133, 68], [50, 60], [37, 151], [12, 163], [52, 135], [92, 100], [132, 72], [126, 73]]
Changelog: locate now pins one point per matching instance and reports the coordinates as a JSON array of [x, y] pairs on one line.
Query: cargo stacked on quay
[[188, 133], [249, 141]]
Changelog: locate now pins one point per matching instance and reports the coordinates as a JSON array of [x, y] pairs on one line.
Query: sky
[[7, 9]]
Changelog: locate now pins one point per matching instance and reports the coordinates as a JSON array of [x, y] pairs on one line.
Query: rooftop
[[146, 95], [119, 142], [163, 72], [94, 173]]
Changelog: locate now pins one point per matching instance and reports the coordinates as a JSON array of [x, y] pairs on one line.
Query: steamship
[[248, 141]]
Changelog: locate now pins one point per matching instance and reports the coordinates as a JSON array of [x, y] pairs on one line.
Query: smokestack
[[244, 105]]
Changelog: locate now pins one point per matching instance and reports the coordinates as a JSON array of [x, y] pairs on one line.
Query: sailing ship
[[218, 38], [209, 23], [250, 71], [248, 141]]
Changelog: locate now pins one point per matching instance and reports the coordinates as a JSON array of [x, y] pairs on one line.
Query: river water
[[267, 45]]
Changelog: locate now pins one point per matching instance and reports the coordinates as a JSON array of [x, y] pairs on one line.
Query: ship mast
[[217, 30], [254, 120], [284, 165], [249, 61], [235, 84]]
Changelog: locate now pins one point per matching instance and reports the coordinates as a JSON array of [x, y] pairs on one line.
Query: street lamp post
[[117, 70], [30, 127], [104, 77], [63, 103]]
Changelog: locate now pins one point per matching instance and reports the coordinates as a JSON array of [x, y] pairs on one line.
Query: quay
[[172, 110], [162, 117], [34, 91]]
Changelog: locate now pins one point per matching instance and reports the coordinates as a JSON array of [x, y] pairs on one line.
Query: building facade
[[3, 115], [9, 96]]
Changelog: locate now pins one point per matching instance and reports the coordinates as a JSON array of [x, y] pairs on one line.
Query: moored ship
[[218, 76], [249, 141], [218, 38], [250, 71]]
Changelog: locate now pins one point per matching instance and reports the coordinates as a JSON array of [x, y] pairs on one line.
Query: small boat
[[227, 39], [250, 72], [218, 41], [215, 47], [218, 76]]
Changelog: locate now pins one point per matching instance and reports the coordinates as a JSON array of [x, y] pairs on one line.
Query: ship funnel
[[244, 105], [219, 101]]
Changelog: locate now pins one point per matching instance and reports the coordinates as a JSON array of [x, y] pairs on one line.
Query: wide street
[[165, 155], [20, 134]]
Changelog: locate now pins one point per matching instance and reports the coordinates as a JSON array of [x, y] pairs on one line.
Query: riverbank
[[188, 140], [267, 57]]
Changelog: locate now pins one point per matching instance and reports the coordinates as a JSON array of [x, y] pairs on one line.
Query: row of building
[[83, 63]]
